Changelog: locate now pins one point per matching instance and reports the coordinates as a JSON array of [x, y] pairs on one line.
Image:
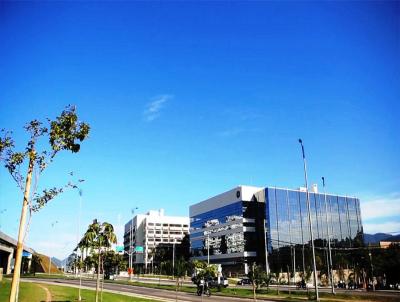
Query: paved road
[[292, 288], [163, 295], [169, 296], [381, 293]]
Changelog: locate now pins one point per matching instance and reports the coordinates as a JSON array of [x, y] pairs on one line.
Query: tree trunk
[[102, 280], [254, 291], [176, 289], [21, 233], [98, 279]]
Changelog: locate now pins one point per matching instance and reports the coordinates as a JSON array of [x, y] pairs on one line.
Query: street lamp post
[[173, 260], [266, 248], [130, 250], [330, 269], [372, 270], [130, 245], [52, 225], [310, 221], [79, 231], [49, 265], [293, 255]]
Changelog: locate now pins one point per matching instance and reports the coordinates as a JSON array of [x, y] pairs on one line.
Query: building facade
[[144, 232], [270, 226], [223, 229]]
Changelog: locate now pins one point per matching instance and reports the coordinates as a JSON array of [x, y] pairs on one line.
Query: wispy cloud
[[243, 114], [153, 108], [381, 213], [235, 131], [383, 206], [230, 132], [385, 227]]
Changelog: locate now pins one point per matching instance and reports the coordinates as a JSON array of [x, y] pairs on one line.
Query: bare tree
[[63, 133]]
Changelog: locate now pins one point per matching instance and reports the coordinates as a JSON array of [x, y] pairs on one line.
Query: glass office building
[[223, 229], [270, 226], [288, 229]]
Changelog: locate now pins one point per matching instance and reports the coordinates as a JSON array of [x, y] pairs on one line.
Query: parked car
[[223, 282], [243, 281], [352, 285]]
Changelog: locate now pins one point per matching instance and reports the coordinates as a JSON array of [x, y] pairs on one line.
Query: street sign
[[139, 249]]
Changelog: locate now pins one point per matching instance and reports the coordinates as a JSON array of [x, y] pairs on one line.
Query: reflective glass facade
[[221, 227], [274, 220], [287, 225], [287, 218]]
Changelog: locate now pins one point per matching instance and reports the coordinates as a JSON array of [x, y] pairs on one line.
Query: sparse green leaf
[[65, 131]]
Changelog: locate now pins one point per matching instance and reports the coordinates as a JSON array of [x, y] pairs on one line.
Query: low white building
[[144, 232]]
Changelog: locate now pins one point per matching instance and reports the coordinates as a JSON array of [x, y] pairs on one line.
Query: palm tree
[[83, 245], [99, 237]]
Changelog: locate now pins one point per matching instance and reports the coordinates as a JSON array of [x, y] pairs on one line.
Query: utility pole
[[330, 270], [310, 221]]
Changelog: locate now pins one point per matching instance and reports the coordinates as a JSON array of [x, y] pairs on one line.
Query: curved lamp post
[[310, 221]]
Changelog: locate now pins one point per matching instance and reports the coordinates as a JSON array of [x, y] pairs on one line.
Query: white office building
[[144, 232]]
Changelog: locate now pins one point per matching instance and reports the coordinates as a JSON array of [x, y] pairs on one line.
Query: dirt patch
[[48, 294]]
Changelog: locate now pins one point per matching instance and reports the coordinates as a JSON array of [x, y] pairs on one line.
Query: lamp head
[[300, 141]]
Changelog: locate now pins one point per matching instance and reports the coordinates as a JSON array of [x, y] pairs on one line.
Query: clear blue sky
[[187, 100]]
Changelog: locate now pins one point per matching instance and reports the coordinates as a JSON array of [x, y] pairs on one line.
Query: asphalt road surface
[[163, 295], [169, 296]]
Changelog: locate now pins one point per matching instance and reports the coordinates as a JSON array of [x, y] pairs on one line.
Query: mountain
[[375, 238], [57, 262], [395, 238]]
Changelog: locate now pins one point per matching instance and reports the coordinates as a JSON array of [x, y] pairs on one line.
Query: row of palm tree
[[97, 239]]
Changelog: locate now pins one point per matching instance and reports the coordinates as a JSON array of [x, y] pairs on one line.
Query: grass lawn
[[28, 292], [230, 291], [32, 292]]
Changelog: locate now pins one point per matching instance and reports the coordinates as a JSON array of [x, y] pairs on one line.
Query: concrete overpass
[[8, 248]]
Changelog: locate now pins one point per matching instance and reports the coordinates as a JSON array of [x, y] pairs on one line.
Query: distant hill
[[375, 238], [56, 261], [395, 238]]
